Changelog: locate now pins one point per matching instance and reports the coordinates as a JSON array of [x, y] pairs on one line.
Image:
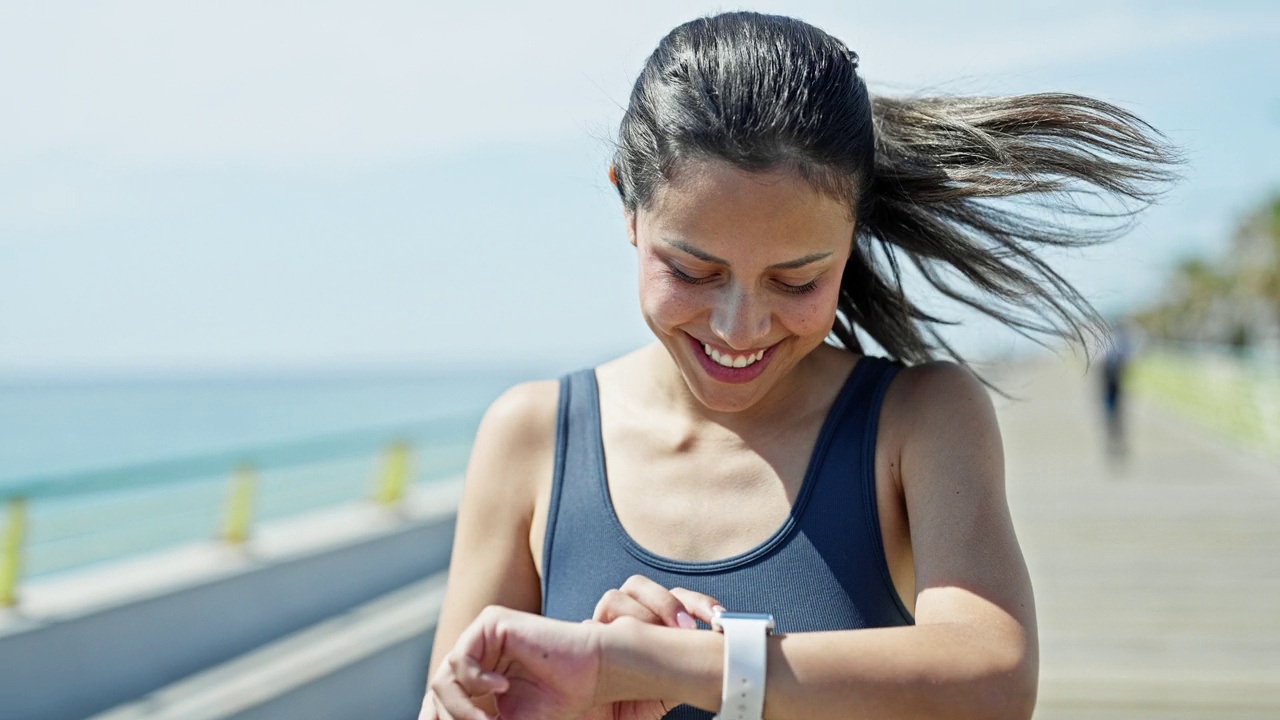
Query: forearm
[[931, 671], [927, 671]]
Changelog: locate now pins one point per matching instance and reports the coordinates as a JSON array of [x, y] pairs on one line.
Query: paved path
[[1157, 581]]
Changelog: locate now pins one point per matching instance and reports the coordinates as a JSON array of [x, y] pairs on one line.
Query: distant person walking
[[1115, 366]]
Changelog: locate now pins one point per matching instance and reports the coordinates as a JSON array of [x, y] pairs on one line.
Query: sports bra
[[823, 569]]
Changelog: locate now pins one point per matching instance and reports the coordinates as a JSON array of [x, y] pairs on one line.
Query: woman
[[754, 458]]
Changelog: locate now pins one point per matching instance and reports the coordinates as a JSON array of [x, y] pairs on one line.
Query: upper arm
[[968, 566], [491, 562]]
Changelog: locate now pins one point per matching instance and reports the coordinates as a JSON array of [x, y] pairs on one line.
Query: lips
[[741, 367]]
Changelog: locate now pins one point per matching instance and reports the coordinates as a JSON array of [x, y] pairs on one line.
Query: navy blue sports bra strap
[[882, 371], [578, 412]]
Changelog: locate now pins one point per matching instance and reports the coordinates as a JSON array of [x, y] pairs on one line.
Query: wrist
[[746, 637], [650, 662]]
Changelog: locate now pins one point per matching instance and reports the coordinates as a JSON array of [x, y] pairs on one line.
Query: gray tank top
[[823, 569]]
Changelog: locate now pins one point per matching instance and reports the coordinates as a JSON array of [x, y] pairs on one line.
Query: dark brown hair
[[965, 189]]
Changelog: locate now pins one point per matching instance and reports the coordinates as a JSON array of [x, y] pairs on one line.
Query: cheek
[[666, 301], [812, 314]]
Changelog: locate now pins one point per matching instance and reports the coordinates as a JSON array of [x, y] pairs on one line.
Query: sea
[[58, 431]]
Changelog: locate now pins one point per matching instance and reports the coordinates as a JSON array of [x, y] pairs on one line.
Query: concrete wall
[[78, 666], [385, 686]]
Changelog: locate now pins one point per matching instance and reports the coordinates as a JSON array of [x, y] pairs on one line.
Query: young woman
[[754, 458]]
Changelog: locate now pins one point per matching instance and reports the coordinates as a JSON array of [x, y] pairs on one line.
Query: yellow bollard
[[395, 474], [11, 560], [240, 505]]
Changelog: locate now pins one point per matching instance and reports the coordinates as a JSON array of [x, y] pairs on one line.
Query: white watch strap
[[745, 650]]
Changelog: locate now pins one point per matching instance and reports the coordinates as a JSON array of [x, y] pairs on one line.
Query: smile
[[731, 361], [729, 366]]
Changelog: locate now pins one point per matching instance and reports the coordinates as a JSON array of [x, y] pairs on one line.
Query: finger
[[454, 703], [473, 679], [698, 604], [439, 711], [659, 601], [616, 604], [428, 711], [463, 666], [487, 704], [474, 641]]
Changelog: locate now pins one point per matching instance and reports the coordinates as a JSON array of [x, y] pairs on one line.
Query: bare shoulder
[[523, 417], [515, 438], [940, 410], [940, 388]]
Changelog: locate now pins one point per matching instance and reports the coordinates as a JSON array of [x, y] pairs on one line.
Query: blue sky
[[244, 185]]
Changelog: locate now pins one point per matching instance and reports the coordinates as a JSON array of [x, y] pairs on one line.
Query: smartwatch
[[745, 652]]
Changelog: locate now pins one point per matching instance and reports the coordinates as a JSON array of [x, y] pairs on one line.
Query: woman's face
[[739, 276]]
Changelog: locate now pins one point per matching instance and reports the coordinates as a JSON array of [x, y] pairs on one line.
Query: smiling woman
[[735, 264], [755, 458]]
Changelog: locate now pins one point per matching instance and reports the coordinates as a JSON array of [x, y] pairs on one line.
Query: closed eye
[[686, 277], [800, 289]]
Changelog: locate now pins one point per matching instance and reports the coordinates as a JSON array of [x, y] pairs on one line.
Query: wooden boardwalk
[[1157, 580]]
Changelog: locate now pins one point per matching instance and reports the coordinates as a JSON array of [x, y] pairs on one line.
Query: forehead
[[712, 201]]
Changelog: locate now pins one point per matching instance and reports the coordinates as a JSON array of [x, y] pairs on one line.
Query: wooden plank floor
[[1157, 581]]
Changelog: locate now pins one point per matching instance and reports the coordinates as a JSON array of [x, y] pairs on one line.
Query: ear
[[630, 218]]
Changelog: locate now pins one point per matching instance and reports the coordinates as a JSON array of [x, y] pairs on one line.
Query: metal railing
[[115, 512]]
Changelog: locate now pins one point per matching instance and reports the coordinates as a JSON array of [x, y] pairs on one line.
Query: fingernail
[[718, 608], [496, 680], [686, 621]]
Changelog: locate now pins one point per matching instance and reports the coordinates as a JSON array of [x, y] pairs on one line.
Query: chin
[[721, 396], [722, 402]]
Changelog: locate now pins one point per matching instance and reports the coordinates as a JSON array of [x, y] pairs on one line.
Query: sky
[[245, 186]]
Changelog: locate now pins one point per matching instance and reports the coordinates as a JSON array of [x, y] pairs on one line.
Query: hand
[[643, 599], [647, 601], [535, 667]]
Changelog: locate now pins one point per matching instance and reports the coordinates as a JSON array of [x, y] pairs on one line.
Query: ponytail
[[941, 165]]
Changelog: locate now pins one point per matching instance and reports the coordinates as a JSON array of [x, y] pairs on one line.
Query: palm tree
[[1236, 300]]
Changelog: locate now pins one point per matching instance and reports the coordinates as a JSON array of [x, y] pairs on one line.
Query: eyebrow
[[708, 257]]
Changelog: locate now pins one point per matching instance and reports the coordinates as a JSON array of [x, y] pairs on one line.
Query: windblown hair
[[966, 189]]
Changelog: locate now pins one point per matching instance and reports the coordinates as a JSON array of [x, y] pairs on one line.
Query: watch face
[[717, 617]]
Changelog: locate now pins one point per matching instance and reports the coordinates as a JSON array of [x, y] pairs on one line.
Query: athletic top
[[823, 569]]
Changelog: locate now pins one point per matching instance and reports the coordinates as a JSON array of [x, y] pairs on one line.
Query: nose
[[740, 318]]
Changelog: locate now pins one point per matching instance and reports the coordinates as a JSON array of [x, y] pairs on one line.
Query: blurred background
[[263, 265]]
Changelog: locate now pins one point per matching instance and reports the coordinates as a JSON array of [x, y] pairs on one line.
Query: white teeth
[[739, 361]]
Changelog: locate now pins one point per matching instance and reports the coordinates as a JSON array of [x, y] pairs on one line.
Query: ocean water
[[61, 429], [53, 427]]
